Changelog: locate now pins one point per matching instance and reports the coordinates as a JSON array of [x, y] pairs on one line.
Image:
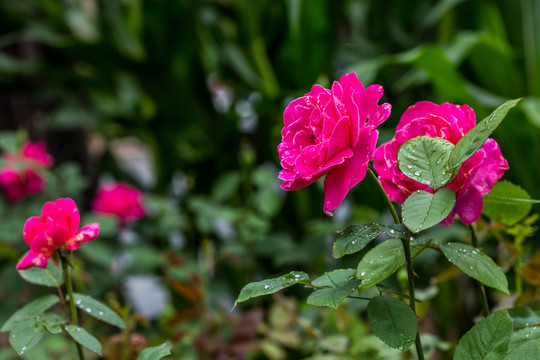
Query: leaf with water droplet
[[84, 338], [477, 136], [383, 260], [25, 335], [392, 321], [424, 159], [523, 336], [476, 264], [488, 339], [525, 316], [343, 283], [30, 311], [354, 238], [423, 210], [271, 286], [98, 310]]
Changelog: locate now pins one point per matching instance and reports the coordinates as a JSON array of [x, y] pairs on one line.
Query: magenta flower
[[331, 132], [476, 176], [121, 200], [20, 176], [57, 226]]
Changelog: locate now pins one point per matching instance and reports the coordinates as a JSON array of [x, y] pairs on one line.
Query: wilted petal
[[85, 234], [32, 259]]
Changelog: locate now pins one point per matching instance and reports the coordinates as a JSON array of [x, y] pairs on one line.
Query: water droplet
[[474, 252], [392, 231], [78, 302], [296, 276], [417, 173], [88, 310], [23, 349], [101, 313], [527, 335], [353, 242], [267, 286]]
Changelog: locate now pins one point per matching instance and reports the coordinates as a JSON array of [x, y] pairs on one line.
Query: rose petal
[[32, 259], [336, 186]]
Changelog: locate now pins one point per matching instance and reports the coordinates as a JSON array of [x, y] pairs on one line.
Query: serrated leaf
[[52, 322], [424, 159], [155, 352], [51, 276], [335, 278], [25, 335], [523, 336], [354, 238], [392, 321], [477, 136], [84, 338], [342, 282], [507, 203], [270, 286], [423, 210], [30, 310], [383, 260], [529, 350], [487, 340], [525, 316], [98, 310], [476, 264]]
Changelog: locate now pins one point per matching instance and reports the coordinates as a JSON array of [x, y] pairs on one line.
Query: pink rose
[[331, 132], [121, 200], [476, 176], [57, 226], [21, 175]]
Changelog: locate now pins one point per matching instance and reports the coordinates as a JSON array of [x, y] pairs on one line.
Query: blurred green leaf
[[25, 335], [84, 338], [507, 203], [51, 276], [97, 309], [270, 286], [155, 352], [30, 310]]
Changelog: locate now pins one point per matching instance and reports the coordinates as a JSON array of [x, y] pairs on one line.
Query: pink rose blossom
[[121, 200], [331, 132], [20, 176], [476, 176], [57, 226]]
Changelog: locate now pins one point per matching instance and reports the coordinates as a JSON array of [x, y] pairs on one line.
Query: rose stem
[[481, 289], [74, 318], [407, 250]]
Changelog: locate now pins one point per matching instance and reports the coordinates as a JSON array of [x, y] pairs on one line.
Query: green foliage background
[[79, 72]]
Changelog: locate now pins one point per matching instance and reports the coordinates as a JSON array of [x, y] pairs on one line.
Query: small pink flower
[[121, 200], [331, 132], [57, 226], [20, 177], [476, 176]]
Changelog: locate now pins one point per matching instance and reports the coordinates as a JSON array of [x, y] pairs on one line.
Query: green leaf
[[392, 321], [25, 335], [525, 316], [342, 282], [156, 352], [529, 350], [98, 310], [383, 260], [52, 322], [84, 338], [424, 159], [477, 136], [524, 336], [507, 203], [487, 340], [354, 238], [476, 264], [423, 210], [30, 310], [51, 276], [270, 286], [396, 231]]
